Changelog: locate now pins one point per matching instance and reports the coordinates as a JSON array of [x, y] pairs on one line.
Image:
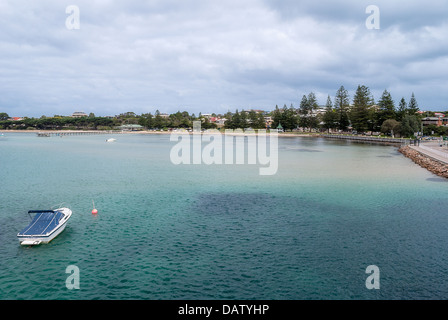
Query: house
[[437, 121], [79, 114], [318, 111], [220, 122], [131, 127]]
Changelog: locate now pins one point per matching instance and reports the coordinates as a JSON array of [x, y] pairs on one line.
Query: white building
[[79, 114]]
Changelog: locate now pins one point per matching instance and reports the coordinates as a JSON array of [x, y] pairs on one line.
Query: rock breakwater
[[431, 164]]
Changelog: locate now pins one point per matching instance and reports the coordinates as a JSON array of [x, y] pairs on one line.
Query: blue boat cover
[[42, 223]]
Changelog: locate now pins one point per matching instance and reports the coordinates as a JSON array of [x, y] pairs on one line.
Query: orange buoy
[[94, 211]]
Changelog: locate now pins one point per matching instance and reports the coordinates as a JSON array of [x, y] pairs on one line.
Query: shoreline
[[237, 131], [435, 166], [356, 139], [55, 132], [352, 138]]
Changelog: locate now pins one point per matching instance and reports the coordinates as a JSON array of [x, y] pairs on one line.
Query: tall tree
[[307, 107], [158, 122], [330, 117], [289, 118], [312, 102], [342, 104], [276, 117], [236, 120], [304, 113], [402, 109], [412, 106], [312, 107], [361, 113], [386, 108], [243, 120]]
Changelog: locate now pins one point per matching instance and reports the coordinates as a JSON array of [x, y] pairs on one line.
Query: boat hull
[[38, 239]]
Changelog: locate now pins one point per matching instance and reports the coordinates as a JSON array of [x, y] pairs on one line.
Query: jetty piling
[[367, 139]]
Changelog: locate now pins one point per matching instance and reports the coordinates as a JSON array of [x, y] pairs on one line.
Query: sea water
[[168, 231]]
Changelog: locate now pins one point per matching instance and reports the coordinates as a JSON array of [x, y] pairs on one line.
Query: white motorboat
[[44, 226], [111, 140]]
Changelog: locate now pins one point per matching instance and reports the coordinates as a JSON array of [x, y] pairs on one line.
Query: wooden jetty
[[368, 139], [74, 133]]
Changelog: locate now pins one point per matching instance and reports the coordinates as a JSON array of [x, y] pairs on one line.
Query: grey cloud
[[212, 56]]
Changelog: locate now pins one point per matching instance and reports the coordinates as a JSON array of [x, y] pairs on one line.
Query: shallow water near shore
[[222, 231]]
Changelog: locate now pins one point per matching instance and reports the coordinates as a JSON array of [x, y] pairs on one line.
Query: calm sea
[[221, 231]]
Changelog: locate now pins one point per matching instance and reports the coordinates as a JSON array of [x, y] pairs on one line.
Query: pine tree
[[236, 120], [330, 116], [312, 102], [387, 108], [402, 109], [342, 104], [289, 118], [303, 112], [307, 107], [276, 117], [361, 113], [412, 106], [158, 122], [243, 120], [312, 107]]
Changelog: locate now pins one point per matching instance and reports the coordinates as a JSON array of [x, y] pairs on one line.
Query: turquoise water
[[221, 231]]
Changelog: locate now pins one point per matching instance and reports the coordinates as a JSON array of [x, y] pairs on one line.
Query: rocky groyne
[[431, 164]]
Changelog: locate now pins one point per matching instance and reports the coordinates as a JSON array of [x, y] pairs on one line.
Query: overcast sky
[[215, 56]]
